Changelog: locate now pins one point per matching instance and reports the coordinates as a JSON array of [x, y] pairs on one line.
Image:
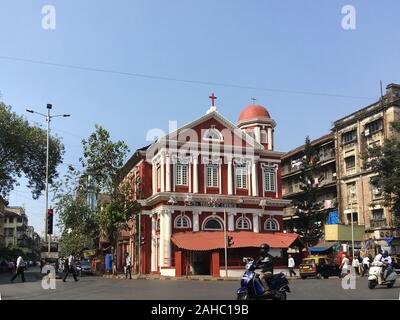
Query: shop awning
[[321, 247], [211, 240]]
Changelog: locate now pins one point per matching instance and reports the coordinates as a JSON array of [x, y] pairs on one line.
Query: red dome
[[253, 111]]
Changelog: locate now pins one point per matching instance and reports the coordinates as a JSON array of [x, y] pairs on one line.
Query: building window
[[350, 163], [213, 224], [213, 135], [182, 174], [263, 136], [351, 193], [212, 175], [376, 193], [243, 224], [269, 179], [355, 217], [377, 215], [241, 176], [159, 177], [373, 127], [271, 225], [349, 136], [11, 220], [182, 222]]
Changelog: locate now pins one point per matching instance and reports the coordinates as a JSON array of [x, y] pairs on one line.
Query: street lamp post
[[352, 194], [48, 119]]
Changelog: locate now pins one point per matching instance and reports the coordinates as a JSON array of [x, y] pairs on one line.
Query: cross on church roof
[[213, 97], [254, 100]]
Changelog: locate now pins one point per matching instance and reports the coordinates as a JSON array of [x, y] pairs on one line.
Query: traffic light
[[50, 213], [142, 242], [230, 241]]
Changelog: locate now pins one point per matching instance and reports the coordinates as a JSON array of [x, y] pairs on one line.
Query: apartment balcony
[[379, 223]]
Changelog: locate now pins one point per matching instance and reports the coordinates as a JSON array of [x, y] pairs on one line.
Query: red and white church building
[[193, 182]]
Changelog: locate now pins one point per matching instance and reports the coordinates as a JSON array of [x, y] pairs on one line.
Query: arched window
[[243, 224], [271, 225], [212, 224], [182, 222], [213, 135]]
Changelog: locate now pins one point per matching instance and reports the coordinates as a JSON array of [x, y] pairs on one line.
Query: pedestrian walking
[[128, 266], [345, 266], [365, 264], [20, 270], [71, 268], [291, 265], [356, 265]]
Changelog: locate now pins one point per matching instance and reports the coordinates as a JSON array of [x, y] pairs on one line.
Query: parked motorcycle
[[375, 276], [252, 287]]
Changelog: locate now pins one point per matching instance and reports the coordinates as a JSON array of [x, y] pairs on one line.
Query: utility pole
[[140, 242], [48, 117]]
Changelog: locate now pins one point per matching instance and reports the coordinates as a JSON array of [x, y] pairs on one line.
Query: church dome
[[254, 111]]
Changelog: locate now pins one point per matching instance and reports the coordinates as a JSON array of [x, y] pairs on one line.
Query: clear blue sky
[[288, 45]]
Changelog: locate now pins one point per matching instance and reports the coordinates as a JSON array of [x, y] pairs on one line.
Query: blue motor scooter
[[252, 287]]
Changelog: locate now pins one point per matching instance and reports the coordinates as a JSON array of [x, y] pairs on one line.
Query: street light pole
[[48, 117], [352, 225]]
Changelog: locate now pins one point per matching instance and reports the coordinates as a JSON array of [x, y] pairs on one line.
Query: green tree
[[308, 209], [384, 160], [102, 161], [77, 221], [23, 153]]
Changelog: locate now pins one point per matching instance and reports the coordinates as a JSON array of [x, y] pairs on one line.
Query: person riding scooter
[[265, 263], [387, 265]]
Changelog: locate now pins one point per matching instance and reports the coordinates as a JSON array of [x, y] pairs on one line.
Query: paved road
[[96, 288]]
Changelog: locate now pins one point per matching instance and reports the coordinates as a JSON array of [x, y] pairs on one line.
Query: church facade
[[210, 184]]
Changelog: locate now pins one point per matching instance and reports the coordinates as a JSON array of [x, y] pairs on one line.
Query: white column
[[168, 174], [161, 239], [162, 188], [231, 221], [153, 243], [249, 179], [196, 225], [220, 178], [254, 179], [167, 239], [195, 175], [257, 134], [256, 222], [230, 186], [270, 142], [154, 180]]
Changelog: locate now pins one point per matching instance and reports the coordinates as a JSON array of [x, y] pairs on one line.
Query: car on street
[[320, 266], [84, 267], [396, 264]]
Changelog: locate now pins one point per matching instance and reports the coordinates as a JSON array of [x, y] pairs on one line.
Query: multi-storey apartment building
[[324, 179], [353, 135], [195, 180], [15, 227]]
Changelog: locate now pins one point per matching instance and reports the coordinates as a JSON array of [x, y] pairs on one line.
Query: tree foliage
[[23, 153], [308, 209], [384, 160]]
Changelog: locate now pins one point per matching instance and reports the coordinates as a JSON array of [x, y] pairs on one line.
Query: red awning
[[211, 240]]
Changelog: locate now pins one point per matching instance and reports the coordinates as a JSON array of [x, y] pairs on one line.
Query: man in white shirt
[[365, 263], [291, 265], [20, 270], [71, 267], [345, 266], [128, 266]]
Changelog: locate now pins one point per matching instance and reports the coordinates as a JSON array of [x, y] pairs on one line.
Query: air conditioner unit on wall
[[366, 132]]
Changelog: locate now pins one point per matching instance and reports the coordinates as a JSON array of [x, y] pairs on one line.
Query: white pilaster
[[154, 177], [257, 134], [162, 188], [270, 142], [168, 174], [154, 243], [230, 186], [249, 179], [162, 240], [231, 221], [220, 177], [195, 175], [196, 224], [256, 223], [167, 239], [254, 179]]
